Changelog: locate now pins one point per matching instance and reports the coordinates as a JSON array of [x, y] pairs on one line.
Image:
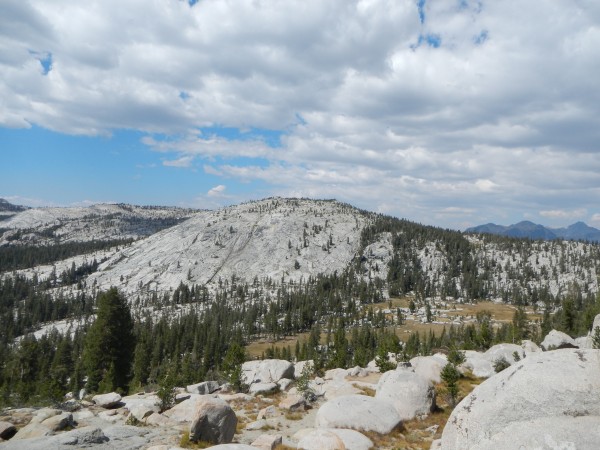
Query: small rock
[[263, 388], [107, 401], [293, 403], [265, 413], [267, 441], [284, 384]]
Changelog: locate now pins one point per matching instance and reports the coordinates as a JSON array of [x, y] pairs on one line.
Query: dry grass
[[367, 391], [293, 415]]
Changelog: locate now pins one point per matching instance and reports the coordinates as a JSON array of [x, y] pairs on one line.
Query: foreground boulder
[[535, 400], [410, 394], [556, 340], [266, 371], [214, 421], [358, 412]]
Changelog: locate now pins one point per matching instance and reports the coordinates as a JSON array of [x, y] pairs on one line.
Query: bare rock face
[[214, 421], [556, 340], [410, 394], [107, 400], [266, 371], [358, 412], [534, 400]]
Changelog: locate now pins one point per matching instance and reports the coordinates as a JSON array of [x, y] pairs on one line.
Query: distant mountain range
[[527, 229]]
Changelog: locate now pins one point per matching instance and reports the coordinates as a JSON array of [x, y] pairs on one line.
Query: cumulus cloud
[[482, 108]]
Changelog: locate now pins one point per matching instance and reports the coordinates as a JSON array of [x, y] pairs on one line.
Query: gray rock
[[267, 441], [546, 433], [42, 414], [74, 439], [214, 421], [234, 447], [263, 388], [107, 401], [266, 371], [429, 367], [477, 364], [530, 347], [284, 384], [561, 384], [204, 388], [556, 340], [352, 439], [358, 412], [293, 403], [7, 430], [32, 430], [184, 411], [59, 422], [584, 342], [158, 420], [266, 413], [321, 440], [506, 351], [596, 324], [412, 395]]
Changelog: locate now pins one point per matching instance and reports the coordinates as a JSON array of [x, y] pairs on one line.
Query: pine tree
[[109, 345]]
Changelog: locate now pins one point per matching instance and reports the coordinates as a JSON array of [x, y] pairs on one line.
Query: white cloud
[[500, 120], [564, 214], [184, 161], [217, 191]]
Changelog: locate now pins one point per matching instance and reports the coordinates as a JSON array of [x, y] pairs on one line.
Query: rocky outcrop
[[358, 412], [556, 340], [510, 352], [214, 421], [410, 394], [548, 390], [477, 364]]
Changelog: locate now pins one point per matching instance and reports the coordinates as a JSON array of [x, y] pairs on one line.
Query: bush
[[500, 364], [450, 376]]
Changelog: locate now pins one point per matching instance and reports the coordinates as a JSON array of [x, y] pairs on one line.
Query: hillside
[[48, 226], [289, 241]]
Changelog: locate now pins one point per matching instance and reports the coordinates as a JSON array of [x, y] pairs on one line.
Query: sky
[[451, 113]]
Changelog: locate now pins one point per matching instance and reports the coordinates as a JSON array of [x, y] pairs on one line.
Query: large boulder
[[410, 394], [358, 412], [547, 390], [429, 367], [214, 421], [263, 388], [184, 411], [266, 371], [59, 422], [530, 347], [477, 364], [556, 340], [300, 365], [107, 401], [142, 405], [546, 433], [506, 351]]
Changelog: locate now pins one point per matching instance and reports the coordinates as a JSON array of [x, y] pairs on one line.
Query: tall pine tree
[[110, 344]]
